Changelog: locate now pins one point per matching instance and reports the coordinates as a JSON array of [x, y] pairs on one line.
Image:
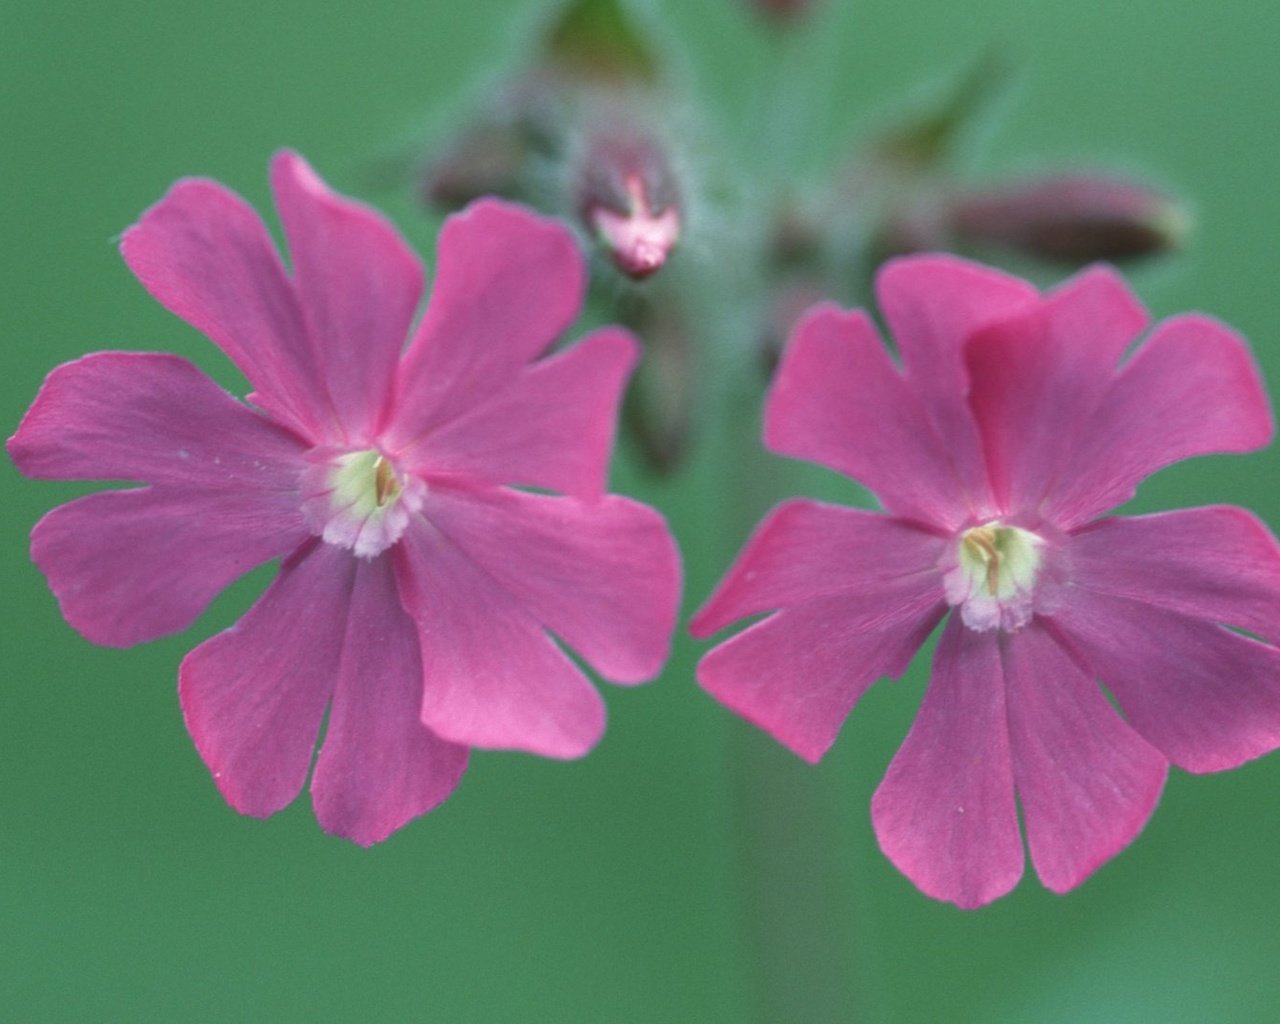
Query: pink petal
[[508, 283], [155, 418], [1191, 389], [1037, 378], [838, 400], [1207, 698], [603, 576], [798, 673], [552, 426], [492, 676], [1087, 782], [933, 304], [945, 812], [380, 767], [1220, 564], [805, 549], [129, 566], [205, 256], [359, 285], [254, 695]]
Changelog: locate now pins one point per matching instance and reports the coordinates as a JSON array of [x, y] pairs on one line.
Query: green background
[[608, 889]]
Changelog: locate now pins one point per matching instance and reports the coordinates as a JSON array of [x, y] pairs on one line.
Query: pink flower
[[417, 588], [1014, 424]]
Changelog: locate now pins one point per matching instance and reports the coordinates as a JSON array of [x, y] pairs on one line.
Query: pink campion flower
[[418, 586], [1013, 425]]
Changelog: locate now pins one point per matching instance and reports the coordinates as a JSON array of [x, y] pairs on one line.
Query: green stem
[[794, 879]]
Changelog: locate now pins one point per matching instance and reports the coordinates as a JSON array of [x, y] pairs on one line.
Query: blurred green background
[[609, 889]]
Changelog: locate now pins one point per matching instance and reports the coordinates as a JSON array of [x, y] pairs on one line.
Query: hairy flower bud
[[1075, 218], [628, 200]]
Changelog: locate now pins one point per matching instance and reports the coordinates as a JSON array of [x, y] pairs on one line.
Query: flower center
[[357, 500], [993, 574]]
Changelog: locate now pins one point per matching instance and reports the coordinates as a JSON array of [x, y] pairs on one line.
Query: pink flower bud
[[628, 200], [1075, 218]]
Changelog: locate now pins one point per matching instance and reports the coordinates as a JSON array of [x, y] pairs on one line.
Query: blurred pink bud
[[1075, 218], [628, 200]]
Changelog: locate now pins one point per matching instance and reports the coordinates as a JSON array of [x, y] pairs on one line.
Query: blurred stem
[[792, 98], [794, 886], [794, 878]]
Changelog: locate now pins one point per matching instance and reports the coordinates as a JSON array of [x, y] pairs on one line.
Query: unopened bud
[[1075, 218], [628, 200], [599, 41]]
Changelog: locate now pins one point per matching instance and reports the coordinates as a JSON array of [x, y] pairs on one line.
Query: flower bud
[[1075, 218], [599, 41], [628, 200]]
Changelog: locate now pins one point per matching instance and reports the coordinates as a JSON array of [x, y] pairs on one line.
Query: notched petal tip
[[623, 346], [932, 272], [820, 334], [525, 233], [488, 729], [186, 190], [720, 608], [1101, 293], [725, 688], [290, 162], [1244, 391], [291, 174]]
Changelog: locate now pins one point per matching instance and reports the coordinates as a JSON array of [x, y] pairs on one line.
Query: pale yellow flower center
[[994, 576], [358, 500]]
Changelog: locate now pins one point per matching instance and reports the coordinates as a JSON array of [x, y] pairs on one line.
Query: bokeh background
[[611, 889]]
